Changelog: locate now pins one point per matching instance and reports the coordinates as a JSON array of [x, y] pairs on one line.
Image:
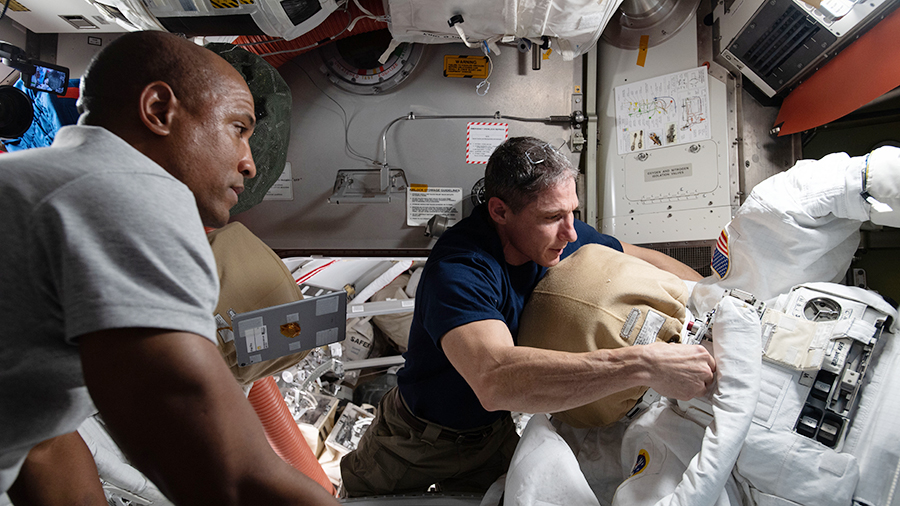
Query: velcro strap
[[854, 328]]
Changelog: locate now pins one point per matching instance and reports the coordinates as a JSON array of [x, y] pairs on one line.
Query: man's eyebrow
[[251, 119], [555, 210]]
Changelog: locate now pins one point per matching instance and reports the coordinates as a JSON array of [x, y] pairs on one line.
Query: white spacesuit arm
[[882, 185], [800, 226], [544, 471], [736, 347]]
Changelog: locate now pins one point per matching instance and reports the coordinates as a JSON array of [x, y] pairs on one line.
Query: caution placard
[[482, 139], [466, 66], [425, 202]]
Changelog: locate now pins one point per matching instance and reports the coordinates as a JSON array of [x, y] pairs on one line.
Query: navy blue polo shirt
[[467, 279]]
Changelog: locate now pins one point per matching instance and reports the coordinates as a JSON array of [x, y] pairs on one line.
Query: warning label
[[668, 172], [466, 66], [482, 139], [422, 205]]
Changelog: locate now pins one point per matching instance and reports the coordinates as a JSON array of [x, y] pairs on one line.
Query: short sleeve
[[122, 250], [458, 290]]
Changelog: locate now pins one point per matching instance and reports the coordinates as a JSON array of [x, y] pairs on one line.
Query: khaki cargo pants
[[394, 458]]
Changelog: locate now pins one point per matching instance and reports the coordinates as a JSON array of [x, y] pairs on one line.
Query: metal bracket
[[367, 186], [576, 142]]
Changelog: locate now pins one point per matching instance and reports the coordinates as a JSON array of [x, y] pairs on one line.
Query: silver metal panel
[[762, 153], [734, 118], [593, 168], [430, 151], [755, 153], [647, 178]]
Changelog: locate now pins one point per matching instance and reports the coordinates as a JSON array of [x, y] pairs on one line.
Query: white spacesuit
[[811, 422]]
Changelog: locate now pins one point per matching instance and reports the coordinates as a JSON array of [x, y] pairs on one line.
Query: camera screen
[[51, 80]]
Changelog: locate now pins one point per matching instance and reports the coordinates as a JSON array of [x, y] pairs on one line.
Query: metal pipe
[[496, 115]]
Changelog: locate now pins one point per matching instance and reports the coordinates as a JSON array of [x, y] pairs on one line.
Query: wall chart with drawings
[[663, 111]]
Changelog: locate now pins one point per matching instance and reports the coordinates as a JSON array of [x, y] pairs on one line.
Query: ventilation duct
[[778, 43]]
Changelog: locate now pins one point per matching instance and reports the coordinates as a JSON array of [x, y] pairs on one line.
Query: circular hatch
[[352, 63]]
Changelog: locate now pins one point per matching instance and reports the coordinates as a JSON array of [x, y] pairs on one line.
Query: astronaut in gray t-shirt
[[109, 284]]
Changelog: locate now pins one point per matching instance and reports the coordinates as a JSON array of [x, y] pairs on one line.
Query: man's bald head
[[182, 106], [113, 82]]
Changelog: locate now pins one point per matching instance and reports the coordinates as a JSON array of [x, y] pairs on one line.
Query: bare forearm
[[59, 471], [532, 380], [196, 435], [543, 381]]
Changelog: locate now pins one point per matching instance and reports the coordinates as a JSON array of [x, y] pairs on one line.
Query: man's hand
[[532, 380], [681, 371]]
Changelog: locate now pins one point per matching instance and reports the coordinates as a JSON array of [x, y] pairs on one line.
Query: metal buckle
[[474, 437]]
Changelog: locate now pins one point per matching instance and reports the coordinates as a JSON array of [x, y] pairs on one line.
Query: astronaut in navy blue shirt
[[448, 422]]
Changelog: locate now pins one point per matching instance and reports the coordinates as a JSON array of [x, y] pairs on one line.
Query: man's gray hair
[[522, 167]]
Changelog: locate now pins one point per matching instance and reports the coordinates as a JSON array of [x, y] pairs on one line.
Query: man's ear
[[498, 210], [158, 105]]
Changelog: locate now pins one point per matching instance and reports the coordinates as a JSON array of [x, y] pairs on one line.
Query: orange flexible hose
[[283, 433]]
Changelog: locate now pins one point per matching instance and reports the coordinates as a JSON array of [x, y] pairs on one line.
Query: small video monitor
[[48, 77]]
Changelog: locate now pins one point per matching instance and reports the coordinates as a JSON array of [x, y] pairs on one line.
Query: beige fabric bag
[[251, 277], [395, 326], [796, 343], [599, 298]]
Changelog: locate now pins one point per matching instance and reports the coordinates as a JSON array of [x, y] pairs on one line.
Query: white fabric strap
[[462, 35], [854, 328], [387, 52]]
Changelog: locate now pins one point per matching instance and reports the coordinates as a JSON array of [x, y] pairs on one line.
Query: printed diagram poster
[[423, 202], [482, 139], [663, 111]]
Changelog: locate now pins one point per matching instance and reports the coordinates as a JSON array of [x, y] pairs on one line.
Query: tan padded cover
[[251, 277], [395, 326], [583, 303]]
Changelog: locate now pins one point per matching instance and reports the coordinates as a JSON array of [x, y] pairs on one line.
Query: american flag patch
[[720, 261]]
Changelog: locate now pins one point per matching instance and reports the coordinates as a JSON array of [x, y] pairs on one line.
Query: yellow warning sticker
[[476, 67], [642, 50], [418, 187], [229, 4]]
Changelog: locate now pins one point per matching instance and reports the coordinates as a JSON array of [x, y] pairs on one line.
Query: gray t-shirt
[[93, 235]]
